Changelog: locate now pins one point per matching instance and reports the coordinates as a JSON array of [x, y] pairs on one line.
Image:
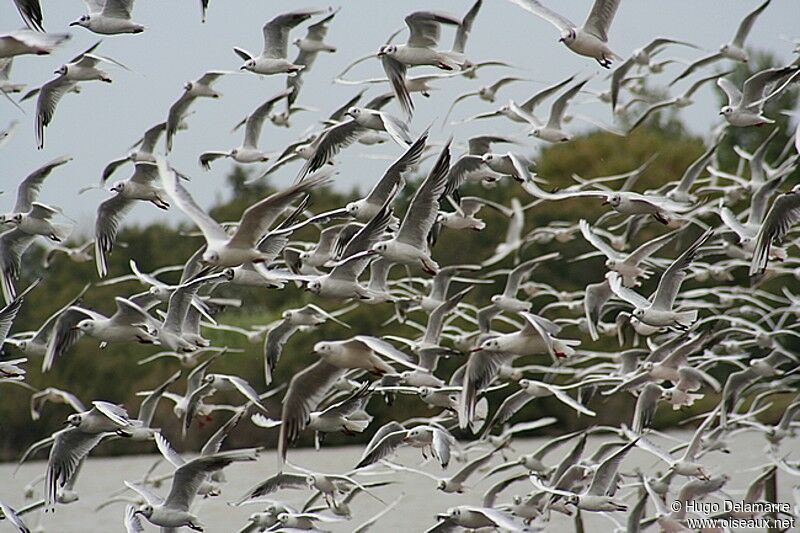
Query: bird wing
[[260, 216], [148, 407], [306, 390], [600, 17], [754, 86], [784, 213], [49, 95], [629, 295], [595, 240], [396, 73], [330, 142], [605, 473], [381, 347], [425, 29], [696, 168], [276, 31], [69, 447], [462, 33], [386, 440], [560, 104], [673, 277], [118, 8], [536, 7], [424, 206], [747, 24], [393, 177], [256, 119], [28, 190], [279, 481], [188, 478], [211, 230], [13, 244], [702, 62], [273, 346], [369, 234]]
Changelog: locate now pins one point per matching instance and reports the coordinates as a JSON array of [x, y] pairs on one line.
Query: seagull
[[81, 68], [551, 131], [456, 482], [8, 87], [658, 311], [144, 153], [276, 42], [309, 48], [424, 32], [784, 212], [248, 152], [640, 57], [680, 101], [745, 107], [590, 40], [223, 250], [436, 440], [199, 88], [173, 512], [29, 188], [23, 42], [487, 93], [143, 185], [109, 17], [733, 50], [408, 247], [72, 444], [360, 120]]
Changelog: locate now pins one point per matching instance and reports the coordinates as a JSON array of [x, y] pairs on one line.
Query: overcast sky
[[101, 123]]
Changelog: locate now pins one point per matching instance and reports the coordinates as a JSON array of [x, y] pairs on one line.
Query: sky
[[102, 122]]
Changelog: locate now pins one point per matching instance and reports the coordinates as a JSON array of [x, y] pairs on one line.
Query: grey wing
[[649, 111], [462, 33], [257, 218], [151, 136], [424, 27], [433, 329], [177, 112], [458, 172], [28, 190], [529, 104], [649, 248], [393, 176], [784, 213], [703, 61], [702, 81], [9, 313], [383, 348], [600, 17], [607, 470], [535, 7], [595, 240], [31, 13], [629, 295], [109, 217], [276, 31], [189, 477], [133, 524], [361, 242], [385, 441], [754, 86], [510, 406], [256, 119], [306, 391], [64, 335], [560, 105], [69, 448], [181, 298], [273, 345], [747, 24], [424, 206], [462, 475], [278, 481], [49, 95], [671, 280], [148, 407], [330, 142], [214, 442], [693, 171], [13, 244], [396, 73]]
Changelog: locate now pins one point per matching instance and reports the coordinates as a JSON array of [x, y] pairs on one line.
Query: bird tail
[[687, 318]]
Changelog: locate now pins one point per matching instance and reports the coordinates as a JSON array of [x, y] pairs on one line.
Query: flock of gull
[[703, 227]]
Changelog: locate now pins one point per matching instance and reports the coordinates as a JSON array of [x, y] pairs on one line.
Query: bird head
[[74, 419], [727, 110], [441, 484], [145, 510], [535, 132], [352, 209], [567, 36], [250, 64], [61, 71], [83, 21], [314, 286], [353, 112], [387, 50], [611, 264], [118, 187], [322, 348], [210, 257], [638, 313]]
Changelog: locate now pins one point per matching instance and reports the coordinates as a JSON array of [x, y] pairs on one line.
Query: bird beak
[[605, 202], [720, 113], [243, 67], [74, 23], [477, 349], [73, 328], [561, 40]]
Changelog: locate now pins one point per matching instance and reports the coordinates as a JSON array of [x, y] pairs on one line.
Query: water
[[415, 513]]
